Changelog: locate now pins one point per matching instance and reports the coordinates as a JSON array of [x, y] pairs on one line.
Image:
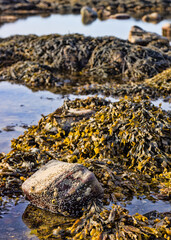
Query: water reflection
[[11, 224], [64, 24], [44, 224], [143, 206], [20, 107], [25, 221]]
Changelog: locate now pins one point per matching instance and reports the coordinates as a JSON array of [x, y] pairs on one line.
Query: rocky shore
[[123, 146], [12, 10]]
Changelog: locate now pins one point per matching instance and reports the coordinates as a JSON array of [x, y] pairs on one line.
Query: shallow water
[[11, 225], [21, 107], [16, 224], [143, 206], [64, 24]]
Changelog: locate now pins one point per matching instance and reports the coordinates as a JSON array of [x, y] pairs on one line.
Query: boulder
[[7, 18], [62, 187], [103, 14], [120, 16], [88, 15], [139, 36], [153, 17], [166, 30]]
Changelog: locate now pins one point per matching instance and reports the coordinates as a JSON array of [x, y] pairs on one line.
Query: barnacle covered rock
[[62, 187]]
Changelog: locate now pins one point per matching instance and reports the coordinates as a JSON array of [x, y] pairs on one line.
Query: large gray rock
[[62, 187]]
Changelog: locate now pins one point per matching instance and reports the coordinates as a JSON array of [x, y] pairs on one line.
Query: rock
[[139, 36], [88, 15], [103, 14], [62, 187], [80, 112], [120, 16], [9, 128], [153, 17], [7, 18], [166, 30], [72, 116]]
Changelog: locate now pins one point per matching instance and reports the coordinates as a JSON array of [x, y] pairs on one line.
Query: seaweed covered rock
[[155, 87], [62, 187], [130, 135], [105, 57], [125, 144], [32, 74], [133, 128]]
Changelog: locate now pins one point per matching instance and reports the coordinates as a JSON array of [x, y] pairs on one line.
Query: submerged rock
[[62, 187], [44, 221]]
